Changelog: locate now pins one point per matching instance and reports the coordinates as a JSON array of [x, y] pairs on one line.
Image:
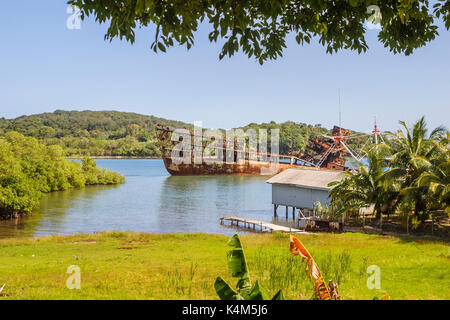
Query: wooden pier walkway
[[263, 226]]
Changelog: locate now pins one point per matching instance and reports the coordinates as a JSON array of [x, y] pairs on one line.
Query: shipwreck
[[321, 152]]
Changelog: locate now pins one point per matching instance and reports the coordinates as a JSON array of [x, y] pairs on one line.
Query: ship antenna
[[340, 126], [375, 131]]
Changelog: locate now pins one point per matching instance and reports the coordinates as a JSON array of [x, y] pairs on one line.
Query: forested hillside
[[294, 136], [93, 133], [113, 133]]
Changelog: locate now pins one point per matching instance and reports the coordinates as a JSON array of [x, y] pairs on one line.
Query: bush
[[28, 169]]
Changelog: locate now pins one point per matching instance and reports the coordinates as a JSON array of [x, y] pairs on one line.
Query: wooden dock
[[261, 225]]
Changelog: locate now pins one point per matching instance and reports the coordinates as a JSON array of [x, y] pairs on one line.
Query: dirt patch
[[138, 242], [84, 242], [437, 225]]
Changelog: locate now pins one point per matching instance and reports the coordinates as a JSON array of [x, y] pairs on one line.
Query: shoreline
[[348, 230], [115, 157]]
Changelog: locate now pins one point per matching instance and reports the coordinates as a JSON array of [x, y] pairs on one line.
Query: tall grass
[[277, 269], [156, 268], [181, 282]]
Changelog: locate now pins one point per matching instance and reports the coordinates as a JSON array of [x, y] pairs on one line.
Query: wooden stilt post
[[364, 219], [432, 225], [293, 213], [381, 222], [407, 223], [275, 210], [287, 207]]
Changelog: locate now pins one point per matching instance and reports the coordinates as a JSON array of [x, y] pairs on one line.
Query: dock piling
[[264, 226]]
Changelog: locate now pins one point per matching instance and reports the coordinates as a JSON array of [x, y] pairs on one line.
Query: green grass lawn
[[122, 265]]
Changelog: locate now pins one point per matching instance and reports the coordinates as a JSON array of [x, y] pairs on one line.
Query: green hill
[[94, 133], [114, 133]]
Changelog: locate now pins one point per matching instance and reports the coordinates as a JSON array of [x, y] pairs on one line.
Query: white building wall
[[298, 197]]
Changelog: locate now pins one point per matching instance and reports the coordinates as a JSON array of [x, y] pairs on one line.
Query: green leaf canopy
[[260, 28]]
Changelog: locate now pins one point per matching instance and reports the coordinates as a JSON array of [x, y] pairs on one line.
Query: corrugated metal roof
[[314, 179]]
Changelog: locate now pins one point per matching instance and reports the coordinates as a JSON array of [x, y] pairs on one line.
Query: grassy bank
[[119, 265]]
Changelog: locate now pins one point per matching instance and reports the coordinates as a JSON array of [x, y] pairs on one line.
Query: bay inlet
[[150, 201]]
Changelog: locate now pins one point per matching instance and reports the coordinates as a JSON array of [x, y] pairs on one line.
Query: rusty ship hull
[[247, 166]]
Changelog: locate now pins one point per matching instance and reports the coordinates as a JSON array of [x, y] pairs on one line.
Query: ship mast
[[338, 139], [377, 133], [340, 122]]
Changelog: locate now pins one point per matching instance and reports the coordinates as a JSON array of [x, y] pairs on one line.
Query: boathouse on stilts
[[298, 190]]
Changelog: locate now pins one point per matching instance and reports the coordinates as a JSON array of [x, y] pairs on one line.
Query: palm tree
[[413, 151], [364, 187], [437, 179]]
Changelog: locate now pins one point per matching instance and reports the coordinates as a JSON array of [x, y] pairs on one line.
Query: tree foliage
[[436, 180], [260, 28], [415, 156], [113, 133], [93, 133], [364, 186], [294, 136], [29, 168], [411, 172]]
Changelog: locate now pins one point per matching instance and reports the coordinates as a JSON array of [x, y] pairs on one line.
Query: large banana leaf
[[257, 293], [278, 296], [224, 290], [237, 265], [236, 258]]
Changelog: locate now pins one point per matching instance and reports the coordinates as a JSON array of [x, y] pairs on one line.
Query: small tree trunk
[[377, 212], [381, 222], [419, 207]]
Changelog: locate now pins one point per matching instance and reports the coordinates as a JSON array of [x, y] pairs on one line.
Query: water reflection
[[51, 214], [150, 201], [200, 201]]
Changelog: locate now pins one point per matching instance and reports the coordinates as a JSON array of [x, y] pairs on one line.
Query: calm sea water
[[150, 201]]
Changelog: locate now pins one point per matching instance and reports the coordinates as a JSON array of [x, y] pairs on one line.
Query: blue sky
[[44, 66]]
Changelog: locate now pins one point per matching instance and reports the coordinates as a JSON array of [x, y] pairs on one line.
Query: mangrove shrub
[[29, 168]]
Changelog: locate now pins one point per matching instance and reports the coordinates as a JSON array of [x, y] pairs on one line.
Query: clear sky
[[44, 66]]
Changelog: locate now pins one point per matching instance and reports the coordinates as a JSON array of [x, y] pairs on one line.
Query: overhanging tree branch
[[260, 28]]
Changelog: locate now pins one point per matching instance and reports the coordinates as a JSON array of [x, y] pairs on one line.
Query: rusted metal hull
[[247, 167]]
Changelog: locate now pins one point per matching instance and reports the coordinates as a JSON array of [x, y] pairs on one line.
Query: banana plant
[[237, 265]]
